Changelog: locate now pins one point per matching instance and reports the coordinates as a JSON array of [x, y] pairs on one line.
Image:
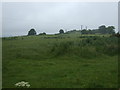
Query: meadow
[[61, 61]]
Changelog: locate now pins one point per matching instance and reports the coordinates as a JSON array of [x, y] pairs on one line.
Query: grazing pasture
[[61, 61]]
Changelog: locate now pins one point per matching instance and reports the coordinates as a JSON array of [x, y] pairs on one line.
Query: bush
[[32, 32], [61, 48], [61, 31], [42, 33], [89, 47]]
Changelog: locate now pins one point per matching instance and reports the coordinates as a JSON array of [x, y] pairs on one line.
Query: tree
[[42, 33], [84, 31], [102, 29], [110, 29], [61, 31], [32, 32]]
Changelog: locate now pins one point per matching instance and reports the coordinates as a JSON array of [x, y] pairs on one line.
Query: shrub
[[32, 32], [89, 47]]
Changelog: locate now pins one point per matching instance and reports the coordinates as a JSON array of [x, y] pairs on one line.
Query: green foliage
[[61, 61], [61, 48], [73, 32], [84, 31], [110, 29], [89, 47], [101, 30], [116, 35], [42, 33], [32, 32], [61, 31]]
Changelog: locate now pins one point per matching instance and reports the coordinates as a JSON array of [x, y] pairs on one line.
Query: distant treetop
[[61, 31], [32, 32]]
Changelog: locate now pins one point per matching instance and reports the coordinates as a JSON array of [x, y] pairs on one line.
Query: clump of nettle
[[22, 84]]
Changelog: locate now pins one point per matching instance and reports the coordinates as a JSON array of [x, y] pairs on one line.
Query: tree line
[[101, 30]]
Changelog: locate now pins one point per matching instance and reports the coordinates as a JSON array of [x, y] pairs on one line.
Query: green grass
[[67, 62]]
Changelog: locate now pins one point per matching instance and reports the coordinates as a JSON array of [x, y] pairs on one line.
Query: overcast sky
[[50, 17]]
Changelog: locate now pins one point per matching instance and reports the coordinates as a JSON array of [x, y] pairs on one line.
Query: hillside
[[61, 61]]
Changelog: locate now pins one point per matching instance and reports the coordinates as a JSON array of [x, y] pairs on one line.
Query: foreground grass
[[64, 72], [48, 63]]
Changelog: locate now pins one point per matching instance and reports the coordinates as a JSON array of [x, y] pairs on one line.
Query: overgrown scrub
[[89, 47], [50, 62], [61, 48]]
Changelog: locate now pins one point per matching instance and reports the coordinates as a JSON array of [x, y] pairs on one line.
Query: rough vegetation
[[61, 61]]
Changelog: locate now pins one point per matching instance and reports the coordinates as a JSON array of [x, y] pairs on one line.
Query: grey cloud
[[49, 17]]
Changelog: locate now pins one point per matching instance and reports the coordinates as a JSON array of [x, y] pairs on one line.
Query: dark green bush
[[89, 47]]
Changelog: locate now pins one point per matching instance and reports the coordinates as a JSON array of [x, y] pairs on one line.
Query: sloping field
[[61, 61]]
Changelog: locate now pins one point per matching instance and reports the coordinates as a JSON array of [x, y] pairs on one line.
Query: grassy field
[[61, 61]]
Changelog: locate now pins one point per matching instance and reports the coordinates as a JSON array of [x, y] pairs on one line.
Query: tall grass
[[89, 47], [56, 61]]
